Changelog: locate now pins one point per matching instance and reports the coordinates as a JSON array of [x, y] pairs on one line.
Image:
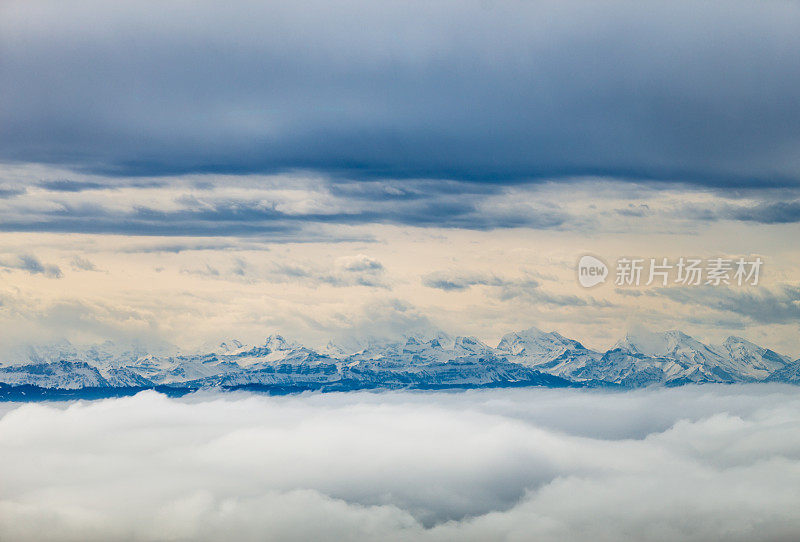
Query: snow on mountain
[[700, 362], [230, 347], [273, 375], [276, 350], [61, 374], [185, 369], [470, 371], [534, 347], [530, 357], [789, 374], [337, 351], [414, 350], [124, 377], [751, 359], [662, 344], [631, 369], [106, 354]]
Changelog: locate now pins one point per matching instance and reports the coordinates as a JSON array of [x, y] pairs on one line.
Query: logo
[[661, 272], [591, 271]]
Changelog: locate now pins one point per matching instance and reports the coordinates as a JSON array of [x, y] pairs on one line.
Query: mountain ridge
[[527, 357]]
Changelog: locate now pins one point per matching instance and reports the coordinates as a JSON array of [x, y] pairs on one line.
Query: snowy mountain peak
[[732, 339], [747, 356], [469, 343], [535, 346], [229, 346], [532, 333], [740, 344], [335, 351], [276, 343], [443, 340], [658, 344]]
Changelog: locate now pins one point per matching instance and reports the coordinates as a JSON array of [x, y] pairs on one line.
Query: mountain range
[[526, 358]]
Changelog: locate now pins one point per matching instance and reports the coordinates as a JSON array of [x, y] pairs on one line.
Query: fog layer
[[696, 463]]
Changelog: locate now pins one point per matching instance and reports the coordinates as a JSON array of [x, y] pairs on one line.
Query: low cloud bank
[[695, 463]]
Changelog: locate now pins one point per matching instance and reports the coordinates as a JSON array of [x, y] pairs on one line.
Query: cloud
[[65, 185], [381, 319], [778, 305], [277, 207], [10, 192], [769, 207], [29, 320], [357, 270], [628, 293], [408, 189], [695, 464], [204, 271], [345, 271], [524, 289], [634, 210], [693, 91], [219, 245], [303, 207], [83, 264], [32, 265], [361, 263], [461, 281], [779, 212]]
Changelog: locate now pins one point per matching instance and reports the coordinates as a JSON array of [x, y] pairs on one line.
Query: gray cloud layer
[[695, 463], [281, 207], [526, 289], [779, 305], [491, 90], [31, 264]]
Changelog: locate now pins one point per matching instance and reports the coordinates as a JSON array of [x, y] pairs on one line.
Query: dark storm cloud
[[500, 91]]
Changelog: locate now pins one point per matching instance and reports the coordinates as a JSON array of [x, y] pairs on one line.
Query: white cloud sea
[[693, 463]]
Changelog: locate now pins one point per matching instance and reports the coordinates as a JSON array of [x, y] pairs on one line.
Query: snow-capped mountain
[[789, 374], [693, 360], [65, 375], [751, 359], [675, 344], [418, 351], [530, 357], [628, 369], [534, 347], [441, 361]]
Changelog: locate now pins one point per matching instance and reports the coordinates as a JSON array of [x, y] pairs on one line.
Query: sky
[[187, 172]]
